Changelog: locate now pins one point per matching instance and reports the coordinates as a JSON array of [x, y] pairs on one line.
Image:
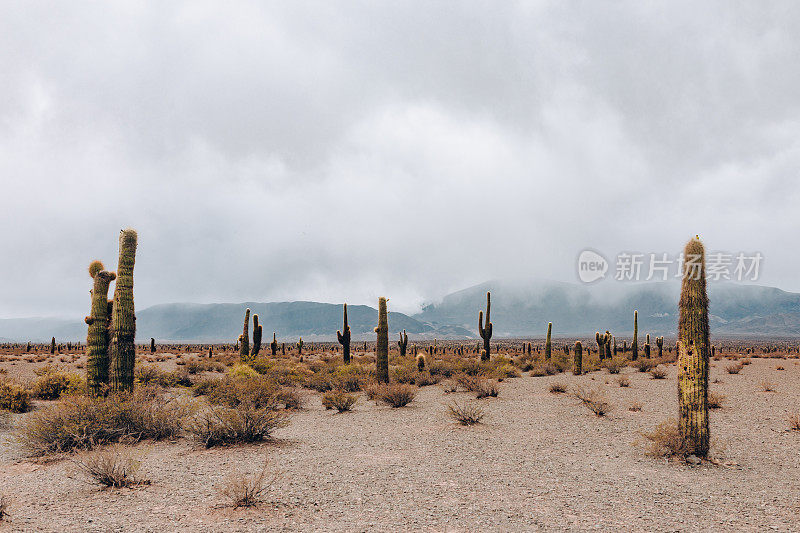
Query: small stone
[[693, 460]]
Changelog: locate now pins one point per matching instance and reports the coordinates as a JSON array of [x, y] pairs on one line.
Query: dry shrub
[[247, 490], [623, 381], [557, 387], [372, 391], [255, 391], [54, 383], [78, 422], [152, 375], [466, 414], [450, 385], [665, 441], [487, 388], [635, 407], [14, 397], [779, 368], [594, 400], [221, 426], [643, 365], [734, 369], [715, 400], [658, 373], [425, 378], [767, 386], [114, 467], [614, 365], [538, 371], [746, 361], [340, 400], [396, 394], [794, 421], [204, 386], [290, 397]]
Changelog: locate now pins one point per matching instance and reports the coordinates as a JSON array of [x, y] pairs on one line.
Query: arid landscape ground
[[539, 460]]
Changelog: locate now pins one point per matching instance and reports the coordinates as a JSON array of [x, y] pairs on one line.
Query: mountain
[[524, 308], [519, 309]]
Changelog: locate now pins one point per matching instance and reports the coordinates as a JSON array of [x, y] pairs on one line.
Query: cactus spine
[[547, 345], [273, 346], [257, 332], [382, 346], [123, 318], [577, 359], [403, 343], [693, 346], [486, 332], [97, 337], [635, 342], [244, 338], [344, 337]]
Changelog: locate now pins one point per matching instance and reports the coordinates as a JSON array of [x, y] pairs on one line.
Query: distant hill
[[519, 309]]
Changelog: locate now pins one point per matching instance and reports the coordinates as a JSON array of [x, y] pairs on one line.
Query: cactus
[[382, 346], [693, 347], [615, 346], [273, 346], [486, 332], [607, 344], [403, 343], [53, 345], [660, 344], [123, 318], [344, 337], [577, 360], [244, 339], [152, 345], [600, 339], [257, 332], [300, 345], [97, 337], [647, 350], [421, 362], [547, 345], [283, 348], [635, 342]]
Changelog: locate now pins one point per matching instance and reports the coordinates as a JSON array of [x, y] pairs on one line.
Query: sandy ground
[[540, 462]]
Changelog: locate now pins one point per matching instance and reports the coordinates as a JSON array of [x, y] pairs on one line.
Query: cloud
[[310, 150]]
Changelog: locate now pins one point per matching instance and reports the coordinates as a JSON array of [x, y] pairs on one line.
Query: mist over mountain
[[519, 309]]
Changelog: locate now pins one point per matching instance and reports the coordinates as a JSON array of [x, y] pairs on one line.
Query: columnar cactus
[[123, 318], [244, 339], [421, 362], [607, 344], [382, 346], [273, 346], [693, 348], [300, 345], [344, 337], [152, 345], [577, 360], [257, 332], [547, 345], [600, 339], [97, 337], [635, 342], [403, 343], [660, 344], [615, 346], [53, 345], [486, 332]]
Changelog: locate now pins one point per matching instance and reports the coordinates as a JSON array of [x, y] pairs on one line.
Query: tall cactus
[[577, 359], [152, 345], [97, 337], [382, 346], [547, 345], [257, 332], [486, 332], [600, 339], [273, 346], [244, 339], [123, 317], [403, 343], [635, 342], [300, 345], [660, 344], [53, 345], [693, 347], [607, 344], [647, 346], [344, 337]]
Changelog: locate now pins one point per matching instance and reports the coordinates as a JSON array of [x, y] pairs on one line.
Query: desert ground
[[539, 461]]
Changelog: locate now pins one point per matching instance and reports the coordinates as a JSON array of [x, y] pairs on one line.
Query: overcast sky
[[337, 151]]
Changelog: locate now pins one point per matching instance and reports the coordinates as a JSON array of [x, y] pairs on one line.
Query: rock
[[693, 460]]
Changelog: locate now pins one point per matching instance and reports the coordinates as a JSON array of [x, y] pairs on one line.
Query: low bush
[[594, 400], [114, 467], [78, 422], [557, 387], [247, 490], [623, 381], [614, 365], [658, 373], [794, 421], [14, 397], [467, 414], [715, 400], [220, 426], [396, 394], [665, 441], [734, 369], [643, 365], [340, 400], [52, 384], [767, 386]]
